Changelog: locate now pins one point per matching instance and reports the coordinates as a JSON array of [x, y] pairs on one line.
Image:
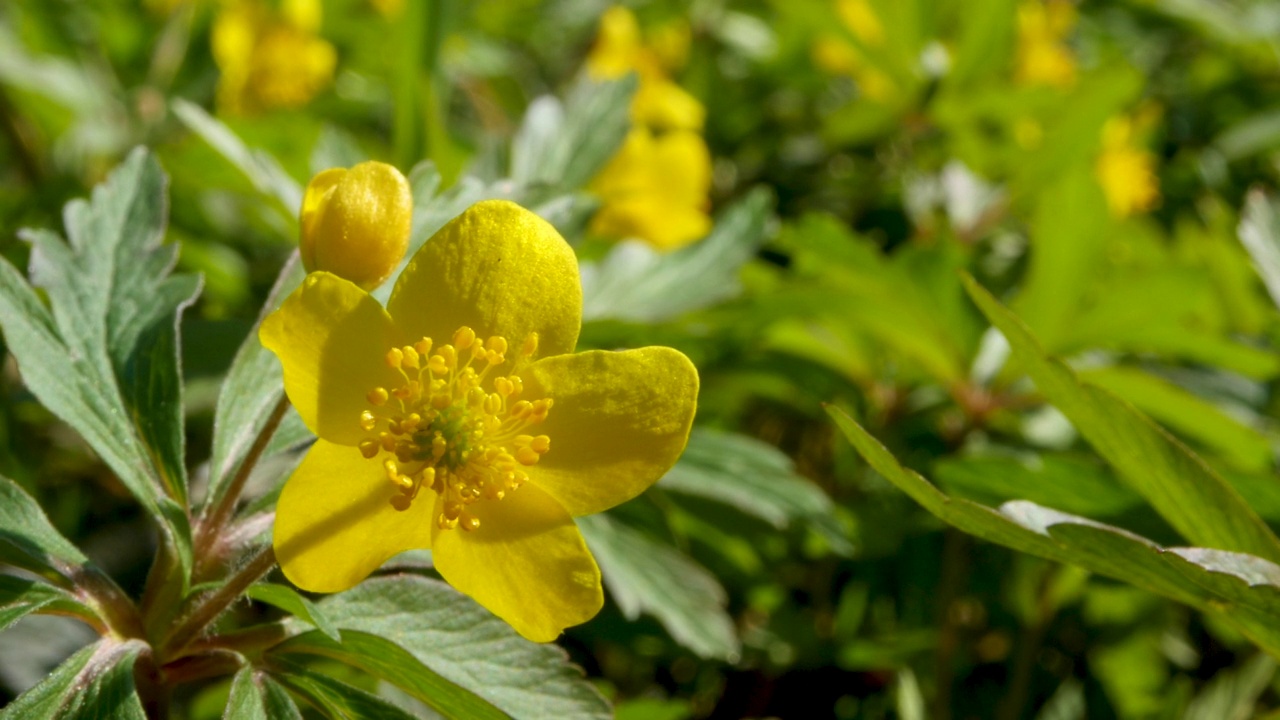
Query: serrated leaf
[[255, 696], [465, 644], [389, 662], [643, 575], [1241, 589], [19, 598], [288, 599], [336, 699], [636, 283], [94, 684], [1193, 498], [28, 540]]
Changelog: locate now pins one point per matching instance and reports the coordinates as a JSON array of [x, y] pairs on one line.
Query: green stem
[[210, 606]]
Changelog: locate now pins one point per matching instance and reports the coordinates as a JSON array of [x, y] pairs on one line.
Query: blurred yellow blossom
[[1125, 170], [388, 8], [837, 55], [355, 223], [659, 102], [655, 189], [459, 418], [270, 58], [1043, 55]]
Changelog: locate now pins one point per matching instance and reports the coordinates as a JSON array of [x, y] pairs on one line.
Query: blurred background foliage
[[1088, 162]]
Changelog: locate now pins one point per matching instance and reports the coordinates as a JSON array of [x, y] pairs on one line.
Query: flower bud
[[355, 223]]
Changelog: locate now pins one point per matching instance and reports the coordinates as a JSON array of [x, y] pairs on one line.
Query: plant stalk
[[209, 607]]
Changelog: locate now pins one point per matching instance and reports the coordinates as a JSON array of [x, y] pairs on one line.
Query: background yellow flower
[[270, 59]]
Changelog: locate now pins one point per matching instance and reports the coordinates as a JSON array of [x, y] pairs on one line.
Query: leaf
[[465, 644], [255, 696], [19, 598], [94, 684], [1260, 233], [755, 478], [288, 599], [564, 146], [387, 661], [336, 699], [262, 170], [1240, 589], [636, 283], [1071, 484], [644, 575], [28, 540], [1233, 694], [1193, 498]]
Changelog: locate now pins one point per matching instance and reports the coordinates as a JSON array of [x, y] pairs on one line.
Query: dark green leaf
[[389, 662], [19, 598], [1068, 483], [1187, 493], [94, 684], [336, 699], [288, 599], [28, 540], [255, 696], [465, 644], [644, 575]]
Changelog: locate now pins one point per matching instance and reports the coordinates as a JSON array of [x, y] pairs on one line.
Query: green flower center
[[443, 430]]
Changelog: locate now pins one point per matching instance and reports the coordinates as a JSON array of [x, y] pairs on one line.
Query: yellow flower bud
[[355, 223]]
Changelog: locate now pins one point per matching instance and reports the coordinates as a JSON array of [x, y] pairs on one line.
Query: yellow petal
[[355, 223], [330, 337], [619, 422], [316, 198], [335, 523], [527, 563], [498, 269]]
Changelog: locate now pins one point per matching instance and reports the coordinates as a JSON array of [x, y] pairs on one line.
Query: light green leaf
[[94, 684], [255, 696], [1233, 694], [1260, 233], [1194, 499], [644, 575], [465, 644], [336, 699], [563, 146], [755, 478], [384, 659], [28, 540], [288, 599], [636, 283], [19, 598]]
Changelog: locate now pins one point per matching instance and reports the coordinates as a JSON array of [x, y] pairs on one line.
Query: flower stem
[[215, 515], [209, 607]]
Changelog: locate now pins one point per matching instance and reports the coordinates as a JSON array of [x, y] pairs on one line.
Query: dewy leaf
[[464, 643], [255, 696], [336, 699], [636, 283], [19, 598], [1241, 589], [28, 540], [1193, 498], [288, 599], [108, 289], [94, 684], [643, 575], [389, 662]]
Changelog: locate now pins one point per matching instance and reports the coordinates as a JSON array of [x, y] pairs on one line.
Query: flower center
[[442, 429]]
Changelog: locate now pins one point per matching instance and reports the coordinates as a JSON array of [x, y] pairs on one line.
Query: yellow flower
[[355, 223], [655, 189], [270, 59], [838, 56], [1126, 171], [1043, 56], [459, 419], [658, 102]]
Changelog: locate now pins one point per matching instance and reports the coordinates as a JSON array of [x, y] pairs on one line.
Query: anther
[[497, 344], [423, 347], [367, 420], [463, 338], [530, 345], [410, 361], [369, 448], [470, 523], [393, 358], [541, 444], [378, 396], [527, 456]]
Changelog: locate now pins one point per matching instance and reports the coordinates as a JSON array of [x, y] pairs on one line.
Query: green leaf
[[465, 644], [1233, 694], [387, 661], [262, 170], [288, 599], [1194, 499], [336, 699], [636, 283], [94, 684], [1068, 483], [1260, 233], [255, 696], [564, 146], [755, 478], [28, 540], [644, 575], [19, 598]]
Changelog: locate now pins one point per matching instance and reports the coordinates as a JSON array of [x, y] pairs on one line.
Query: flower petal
[[620, 421], [527, 563], [330, 336], [498, 269], [335, 523]]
